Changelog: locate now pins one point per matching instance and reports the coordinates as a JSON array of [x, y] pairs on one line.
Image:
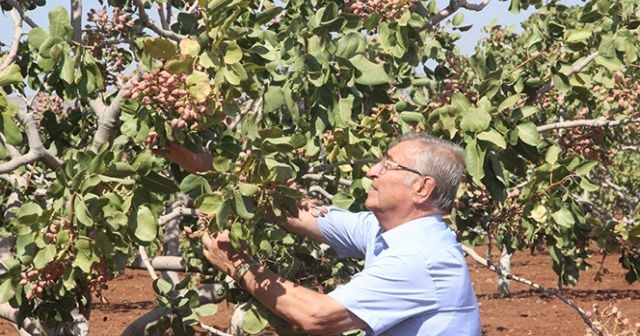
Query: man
[[415, 280]]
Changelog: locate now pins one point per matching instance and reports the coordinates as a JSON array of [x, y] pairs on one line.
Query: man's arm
[[307, 310]]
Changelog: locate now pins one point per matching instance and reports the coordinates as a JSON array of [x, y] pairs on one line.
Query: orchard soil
[[526, 312]]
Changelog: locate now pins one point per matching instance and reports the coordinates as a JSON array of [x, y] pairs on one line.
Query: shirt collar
[[408, 231]]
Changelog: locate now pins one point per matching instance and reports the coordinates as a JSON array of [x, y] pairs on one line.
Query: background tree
[[289, 97]]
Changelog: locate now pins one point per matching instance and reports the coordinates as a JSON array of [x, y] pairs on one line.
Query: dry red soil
[[526, 312]]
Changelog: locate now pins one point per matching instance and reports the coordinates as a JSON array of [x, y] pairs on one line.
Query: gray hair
[[440, 159]]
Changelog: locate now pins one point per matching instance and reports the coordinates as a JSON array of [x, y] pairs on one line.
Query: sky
[[497, 11]]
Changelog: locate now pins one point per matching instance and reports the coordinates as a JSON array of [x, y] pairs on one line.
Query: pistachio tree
[[296, 99]]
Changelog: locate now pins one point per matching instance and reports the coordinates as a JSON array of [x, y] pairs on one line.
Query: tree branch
[[145, 261], [454, 5], [16, 5], [163, 19], [323, 177], [108, 117], [600, 122], [76, 20], [471, 252], [151, 25], [15, 43], [36, 149]]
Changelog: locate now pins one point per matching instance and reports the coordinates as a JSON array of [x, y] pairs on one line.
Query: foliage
[[280, 92]]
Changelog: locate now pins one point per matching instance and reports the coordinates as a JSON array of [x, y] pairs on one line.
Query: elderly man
[[415, 280]]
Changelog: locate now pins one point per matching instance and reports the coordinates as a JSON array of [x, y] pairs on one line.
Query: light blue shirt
[[415, 280]]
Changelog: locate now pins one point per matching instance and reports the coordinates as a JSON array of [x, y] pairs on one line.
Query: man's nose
[[374, 171]]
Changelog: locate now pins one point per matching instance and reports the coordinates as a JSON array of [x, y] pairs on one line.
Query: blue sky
[[497, 11]]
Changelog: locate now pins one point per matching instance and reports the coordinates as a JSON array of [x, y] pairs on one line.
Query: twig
[[326, 167], [600, 122], [323, 177], [252, 106], [36, 148], [15, 4], [76, 20], [163, 19], [15, 43], [169, 12], [151, 25], [471, 252], [320, 190], [454, 5], [178, 212], [145, 260]]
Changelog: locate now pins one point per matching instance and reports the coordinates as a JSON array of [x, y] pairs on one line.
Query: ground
[[526, 312]]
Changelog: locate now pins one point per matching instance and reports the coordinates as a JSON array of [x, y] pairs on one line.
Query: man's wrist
[[242, 269]]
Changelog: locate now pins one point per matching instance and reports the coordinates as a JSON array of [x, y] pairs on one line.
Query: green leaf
[[244, 206], [254, 322], [475, 120], [510, 101], [82, 214], [145, 225], [11, 75], [493, 137], [10, 129], [458, 18], [612, 64], [67, 73], [199, 86], [161, 286], [232, 52], [209, 204], [158, 183], [195, 185], [247, 189], [528, 133], [564, 218], [36, 38], [474, 160], [577, 35], [351, 44], [7, 292], [189, 47], [539, 214], [273, 99], [588, 185], [29, 212], [59, 23], [342, 200], [44, 256], [460, 102], [585, 167], [160, 48], [370, 73], [552, 154], [206, 309]]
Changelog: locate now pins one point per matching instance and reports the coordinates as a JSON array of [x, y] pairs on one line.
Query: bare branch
[[471, 252], [177, 213], [108, 117], [323, 177], [169, 12], [16, 5], [600, 122], [145, 260], [15, 43], [36, 149], [163, 19], [151, 25], [321, 191], [577, 67], [213, 330], [76, 20], [11, 314]]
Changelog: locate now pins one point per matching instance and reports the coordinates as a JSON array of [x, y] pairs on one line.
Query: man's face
[[389, 192]]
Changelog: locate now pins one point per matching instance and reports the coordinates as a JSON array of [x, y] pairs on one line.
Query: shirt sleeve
[[390, 290], [348, 233]]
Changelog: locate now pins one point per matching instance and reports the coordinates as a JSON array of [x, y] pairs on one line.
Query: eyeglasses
[[388, 164]]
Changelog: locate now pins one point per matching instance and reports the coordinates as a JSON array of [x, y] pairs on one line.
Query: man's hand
[[183, 156], [221, 254]]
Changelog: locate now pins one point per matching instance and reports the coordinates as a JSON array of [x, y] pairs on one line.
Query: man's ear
[[424, 189]]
